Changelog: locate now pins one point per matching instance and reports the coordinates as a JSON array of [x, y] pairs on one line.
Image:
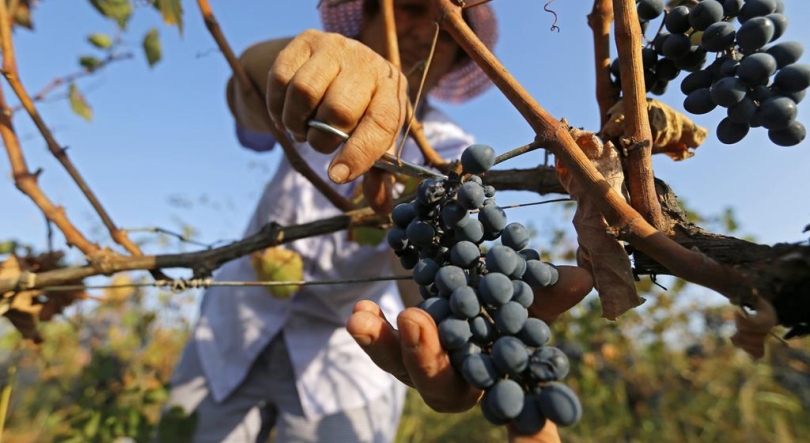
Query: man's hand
[[343, 83], [413, 354]]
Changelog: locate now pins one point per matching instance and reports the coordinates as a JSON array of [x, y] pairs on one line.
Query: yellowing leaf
[[78, 103], [152, 48], [122, 291], [22, 14], [278, 264], [101, 41], [172, 12], [367, 236], [118, 10], [89, 62]]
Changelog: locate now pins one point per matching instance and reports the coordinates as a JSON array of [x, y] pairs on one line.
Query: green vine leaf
[[152, 48], [78, 104], [100, 41], [172, 12], [118, 10], [89, 62]]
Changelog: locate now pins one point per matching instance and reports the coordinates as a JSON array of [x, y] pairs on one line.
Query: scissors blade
[[390, 163]]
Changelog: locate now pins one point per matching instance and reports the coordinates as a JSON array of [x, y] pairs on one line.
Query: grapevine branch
[[542, 180], [253, 92], [70, 78], [415, 128], [689, 265], [12, 77], [25, 181], [600, 20], [638, 136]]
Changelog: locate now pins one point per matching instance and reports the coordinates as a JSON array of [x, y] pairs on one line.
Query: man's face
[[415, 22]]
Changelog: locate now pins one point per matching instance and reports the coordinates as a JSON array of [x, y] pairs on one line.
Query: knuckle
[[339, 113], [306, 90]]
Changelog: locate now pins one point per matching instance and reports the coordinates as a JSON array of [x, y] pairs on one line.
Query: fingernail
[[410, 333], [339, 173], [362, 340]]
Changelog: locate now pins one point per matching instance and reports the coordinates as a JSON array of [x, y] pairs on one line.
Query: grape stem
[[631, 226]]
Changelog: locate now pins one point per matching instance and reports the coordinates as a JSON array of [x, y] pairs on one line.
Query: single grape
[[522, 294], [729, 132], [502, 259], [780, 24], [425, 271], [786, 53], [453, 333], [728, 68], [756, 69], [760, 93], [489, 414], [677, 20], [475, 179], [437, 307], [397, 238], [650, 9], [560, 404], [756, 8], [793, 78], [676, 46], [420, 233], [489, 191], [505, 399], [797, 96], [472, 232], [535, 333], [705, 13], [403, 214], [731, 8], [510, 356], [728, 91], [530, 254], [465, 254], [718, 37], [555, 273], [515, 236], [699, 101], [470, 195], [790, 136], [548, 363], [495, 289], [780, 7], [493, 218], [538, 274], [479, 371], [520, 269], [658, 45], [696, 80], [430, 191], [464, 303], [777, 112], [458, 356], [423, 211], [510, 318], [477, 158], [483, 331], [755, 33], [450, 278], [742, 112], [531, 420], [454, 215], [428, 291]]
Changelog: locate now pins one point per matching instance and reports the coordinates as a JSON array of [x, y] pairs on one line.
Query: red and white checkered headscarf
[[462, 83]]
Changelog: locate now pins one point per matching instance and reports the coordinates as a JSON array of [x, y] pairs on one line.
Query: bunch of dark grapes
[[756, 79], [479, 300]]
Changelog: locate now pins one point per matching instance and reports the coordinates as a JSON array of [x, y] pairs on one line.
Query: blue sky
[[164, 135]]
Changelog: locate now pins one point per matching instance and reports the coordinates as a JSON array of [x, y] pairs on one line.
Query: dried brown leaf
[[753, 330], [674, 134], [599, 251]]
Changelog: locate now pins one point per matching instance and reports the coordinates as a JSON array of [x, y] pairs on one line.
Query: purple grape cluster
[[758, 81], [479, 300]]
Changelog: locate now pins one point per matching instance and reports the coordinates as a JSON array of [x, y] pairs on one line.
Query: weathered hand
[[414, 355], [343, 83]]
